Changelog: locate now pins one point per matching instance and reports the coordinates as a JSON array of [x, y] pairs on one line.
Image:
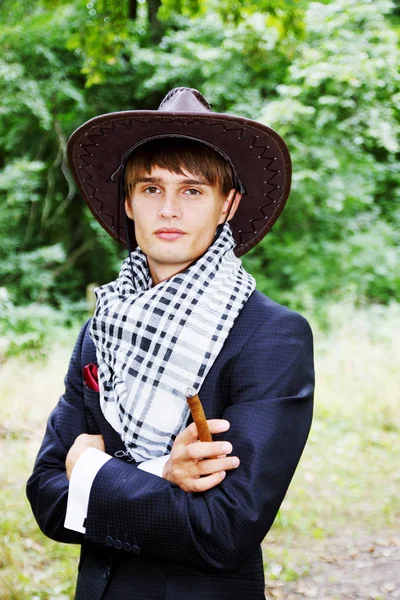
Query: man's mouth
[[169, 233]]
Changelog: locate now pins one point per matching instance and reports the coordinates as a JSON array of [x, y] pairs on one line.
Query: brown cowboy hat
[[258, 156]]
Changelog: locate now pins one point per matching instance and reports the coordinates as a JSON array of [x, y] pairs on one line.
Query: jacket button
[[118, 544], [126, 546], [107, 573], [136, 550], [109, 540]]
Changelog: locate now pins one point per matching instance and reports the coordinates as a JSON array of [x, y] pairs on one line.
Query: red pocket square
[[90, 377]]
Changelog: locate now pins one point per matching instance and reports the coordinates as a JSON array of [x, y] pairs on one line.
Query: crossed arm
[[220, 526], [193, 466]]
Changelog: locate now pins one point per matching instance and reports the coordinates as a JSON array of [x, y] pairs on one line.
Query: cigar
[[199, 418]]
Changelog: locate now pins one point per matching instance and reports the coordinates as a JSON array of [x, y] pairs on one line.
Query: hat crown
[[185, 100]]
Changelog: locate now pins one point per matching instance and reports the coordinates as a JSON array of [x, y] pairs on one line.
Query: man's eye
[[151, 190], [192, 192]]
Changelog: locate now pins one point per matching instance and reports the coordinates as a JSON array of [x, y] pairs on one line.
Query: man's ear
[[229, 206], [128, 208]]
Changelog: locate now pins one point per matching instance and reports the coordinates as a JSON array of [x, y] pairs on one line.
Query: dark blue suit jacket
[[146, 538]]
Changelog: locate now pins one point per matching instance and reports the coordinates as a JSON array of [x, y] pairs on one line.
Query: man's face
[[175, 217]]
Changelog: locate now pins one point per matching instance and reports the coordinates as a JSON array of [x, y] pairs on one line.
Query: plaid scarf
[[155, 345]]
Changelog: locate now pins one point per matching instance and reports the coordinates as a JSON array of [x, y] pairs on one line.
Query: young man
[[121, 470]]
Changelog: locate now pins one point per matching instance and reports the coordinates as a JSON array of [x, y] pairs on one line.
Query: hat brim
[[259, 155]]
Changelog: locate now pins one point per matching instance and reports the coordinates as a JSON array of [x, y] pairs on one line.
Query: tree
[[338, 109], [291, 63]]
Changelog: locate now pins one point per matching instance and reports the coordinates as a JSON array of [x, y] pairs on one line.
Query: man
[[121, 470]]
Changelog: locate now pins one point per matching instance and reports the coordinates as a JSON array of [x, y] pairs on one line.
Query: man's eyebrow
[[196, 182], [161, 180], [148, 180]]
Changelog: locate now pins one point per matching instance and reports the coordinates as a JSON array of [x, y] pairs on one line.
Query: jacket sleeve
[[47, 488], [271, 391]]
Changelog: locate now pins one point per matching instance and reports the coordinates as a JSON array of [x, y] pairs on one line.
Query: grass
[[31, 566], [347, 480]]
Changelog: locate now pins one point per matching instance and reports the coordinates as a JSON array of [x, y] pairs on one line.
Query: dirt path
[[347, 568]]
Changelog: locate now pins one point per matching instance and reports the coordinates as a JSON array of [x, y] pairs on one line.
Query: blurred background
[[325, 75]]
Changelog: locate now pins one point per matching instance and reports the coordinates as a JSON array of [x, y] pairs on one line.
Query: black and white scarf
[[155, 345]]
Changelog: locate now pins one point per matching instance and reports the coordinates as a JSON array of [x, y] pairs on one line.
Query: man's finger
[[202, 484], [207, 450], [218, 425], [190, 434], [208, 467]]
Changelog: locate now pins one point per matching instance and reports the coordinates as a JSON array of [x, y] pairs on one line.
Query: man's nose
[[170, 205]]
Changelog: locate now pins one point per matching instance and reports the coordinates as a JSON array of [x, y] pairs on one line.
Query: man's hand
[[187, 466], [79, 446]]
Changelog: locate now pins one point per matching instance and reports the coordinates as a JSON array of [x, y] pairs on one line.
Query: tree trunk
[[155, 25], [132, 10]]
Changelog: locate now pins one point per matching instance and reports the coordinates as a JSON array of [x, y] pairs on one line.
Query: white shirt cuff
[[155, 465], [85, 470]]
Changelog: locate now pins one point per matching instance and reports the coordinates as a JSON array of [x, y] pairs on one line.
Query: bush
[[30, 330]]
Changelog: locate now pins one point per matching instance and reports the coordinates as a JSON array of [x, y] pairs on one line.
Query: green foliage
[[46, 237], [30, 330], [324, 74], [338, 110]]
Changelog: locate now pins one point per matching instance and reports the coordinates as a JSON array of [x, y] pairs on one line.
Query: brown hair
[[179, 155]]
